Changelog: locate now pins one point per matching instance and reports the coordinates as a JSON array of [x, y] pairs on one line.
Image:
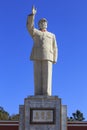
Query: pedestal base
[[42, 113]]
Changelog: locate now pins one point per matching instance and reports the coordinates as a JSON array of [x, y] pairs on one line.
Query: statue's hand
[[34, 10]]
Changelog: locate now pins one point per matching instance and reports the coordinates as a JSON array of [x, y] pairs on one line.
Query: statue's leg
[[37, 77], [47, 77]]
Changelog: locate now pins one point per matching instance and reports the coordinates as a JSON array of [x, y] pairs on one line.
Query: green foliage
[[14, 117], [77, 116], [4, 115]]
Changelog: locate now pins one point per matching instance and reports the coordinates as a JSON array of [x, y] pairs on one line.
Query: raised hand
[[34, 10]]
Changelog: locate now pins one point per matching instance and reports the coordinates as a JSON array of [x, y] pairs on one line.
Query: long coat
[[45, 46]]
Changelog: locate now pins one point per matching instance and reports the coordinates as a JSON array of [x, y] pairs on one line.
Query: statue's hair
[[43, 19]]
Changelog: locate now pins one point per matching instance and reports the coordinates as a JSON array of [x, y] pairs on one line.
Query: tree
[[4, 115], [77, 116], [14, 117]]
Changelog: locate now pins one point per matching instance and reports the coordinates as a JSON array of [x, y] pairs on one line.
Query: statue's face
[[42, 25]]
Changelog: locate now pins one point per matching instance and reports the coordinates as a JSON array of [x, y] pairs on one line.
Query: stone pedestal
[[42, 113]]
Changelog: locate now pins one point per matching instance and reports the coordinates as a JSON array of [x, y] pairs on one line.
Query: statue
[[44, 54]]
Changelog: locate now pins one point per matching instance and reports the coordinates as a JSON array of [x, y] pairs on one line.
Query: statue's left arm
[[55, 50]]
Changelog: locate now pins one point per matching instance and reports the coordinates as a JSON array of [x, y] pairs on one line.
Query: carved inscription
[[42, 116]]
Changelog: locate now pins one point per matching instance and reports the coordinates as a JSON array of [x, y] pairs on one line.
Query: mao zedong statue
[[44, 54]]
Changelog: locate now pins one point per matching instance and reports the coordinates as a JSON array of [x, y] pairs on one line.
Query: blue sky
[[67, 19]]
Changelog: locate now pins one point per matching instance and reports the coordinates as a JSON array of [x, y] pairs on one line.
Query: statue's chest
[[43, 38]]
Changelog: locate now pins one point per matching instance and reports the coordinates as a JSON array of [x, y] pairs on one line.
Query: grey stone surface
[[41, 102], [64, 117], [21, 119]]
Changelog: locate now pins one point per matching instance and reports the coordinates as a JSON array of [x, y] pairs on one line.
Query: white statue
[[44, 54]]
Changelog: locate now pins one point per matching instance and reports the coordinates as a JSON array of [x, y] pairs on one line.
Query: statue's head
[[42, 24]]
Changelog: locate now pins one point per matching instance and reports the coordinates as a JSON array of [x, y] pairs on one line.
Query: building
[[14, 125], [9, 125], [77, 125]]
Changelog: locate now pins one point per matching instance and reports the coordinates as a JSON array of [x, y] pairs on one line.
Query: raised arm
[[30, 21]]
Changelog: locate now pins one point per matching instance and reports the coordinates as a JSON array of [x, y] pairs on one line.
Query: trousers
[[43, 77]]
